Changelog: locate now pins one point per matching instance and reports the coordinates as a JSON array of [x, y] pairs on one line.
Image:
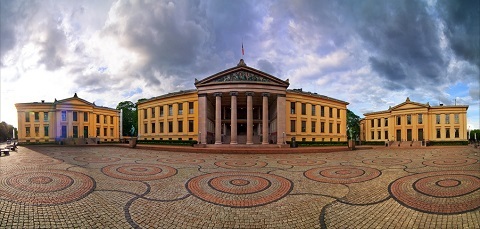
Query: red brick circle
[[40, 161], [387, 161], [96, 159], [239, 189], [44, 188], [450, 162], [241, 164], [188, 161], [443, 192], [139, 172], [342, 174], [301, 162]]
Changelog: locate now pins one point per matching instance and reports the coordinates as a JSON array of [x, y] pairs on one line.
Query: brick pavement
[[117, 187]]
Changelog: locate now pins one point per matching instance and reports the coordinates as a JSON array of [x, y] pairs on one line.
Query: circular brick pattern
[[97, 159], [45, 188], [450, 162], [241, 164], [301, 162], [444, 192], [188, 161], [139, 172], [387, 161], [239, 189], [342, 174], [40, 161]]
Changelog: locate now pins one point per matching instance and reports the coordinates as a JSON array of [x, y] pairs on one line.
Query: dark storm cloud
[[53, 49], [462, 20]]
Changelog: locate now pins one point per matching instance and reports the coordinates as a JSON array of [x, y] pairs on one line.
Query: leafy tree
[[473, 133], [353, 125], [129, 110], [6, 131]]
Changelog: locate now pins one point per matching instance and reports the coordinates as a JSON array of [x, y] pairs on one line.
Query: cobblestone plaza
[[117, 187]]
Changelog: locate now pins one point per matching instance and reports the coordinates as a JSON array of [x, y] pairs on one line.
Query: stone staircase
[[405, 144]]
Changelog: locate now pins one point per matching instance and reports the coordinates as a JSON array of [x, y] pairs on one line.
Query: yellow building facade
[[412, 121], [242, 105], [71, 120]]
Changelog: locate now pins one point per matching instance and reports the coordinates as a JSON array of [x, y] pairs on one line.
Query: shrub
[[446, 143], [318, 143], [168, 142]]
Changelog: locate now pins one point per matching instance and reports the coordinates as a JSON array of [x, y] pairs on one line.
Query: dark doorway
[[409, 134], [399, 135], [420, 134]]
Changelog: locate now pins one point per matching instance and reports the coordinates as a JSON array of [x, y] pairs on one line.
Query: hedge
[[168, 142], [447, 143], [318, 143], [377, 143]]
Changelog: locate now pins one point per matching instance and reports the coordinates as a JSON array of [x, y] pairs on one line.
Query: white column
[[265, 118], [281, 118], [249, 118], [218, 118], [202, 119], [233, 128]]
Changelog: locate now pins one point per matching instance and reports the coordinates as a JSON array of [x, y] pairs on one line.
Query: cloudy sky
[[370, 53]]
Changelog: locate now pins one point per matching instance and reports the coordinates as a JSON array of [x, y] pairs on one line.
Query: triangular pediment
[[74, 101], [241, 74], [409, 105]]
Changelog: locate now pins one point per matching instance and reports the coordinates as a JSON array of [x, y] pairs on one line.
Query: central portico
[[241, 105]]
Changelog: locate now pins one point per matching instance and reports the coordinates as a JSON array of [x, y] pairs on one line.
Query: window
[[37, 116], [98, 118], [75, 131], [74, 116], [153, 128], [64, 131], [180, 126], [313, 110], [111, 132], [161, 127], [379, 122], [190, 108], [27, 131], [372, 123], [153, 112], [190, 126], [292, 108], [304, 126], [45, 116], [313, 126], [386, 135], [322, 111], [85, 116], [457, 134], [293, 123], [437, 119], [386, 121], [27, 116], [45, 131], [180, 108], [420, 119], [111, 119], [330, 128], [399, 120], [161, 111], [170, 126], [145, 128], [447, 118], [37, 131], [338, 113], [447, 132], [304, 139], [438, 133], [372, 135], [304, 109], [170, 110], [379, 135], [338, 128], [98, 131], [409, 119], [330, 112], [64, 116], [105, 119], [322, 127], [456, 118], [104, 131], [145, 114]]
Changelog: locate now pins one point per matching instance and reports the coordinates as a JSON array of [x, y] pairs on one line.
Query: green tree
[[353, 125], [473, 133], [6, 131], [129, 110]]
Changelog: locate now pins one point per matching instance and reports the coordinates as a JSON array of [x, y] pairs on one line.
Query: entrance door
[[75, 131], [409, 134], [399, 135], [420, 134], [64, 131]]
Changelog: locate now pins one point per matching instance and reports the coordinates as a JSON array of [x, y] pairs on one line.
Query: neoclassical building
[[412, 121], [71, 120], [242, 105]]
